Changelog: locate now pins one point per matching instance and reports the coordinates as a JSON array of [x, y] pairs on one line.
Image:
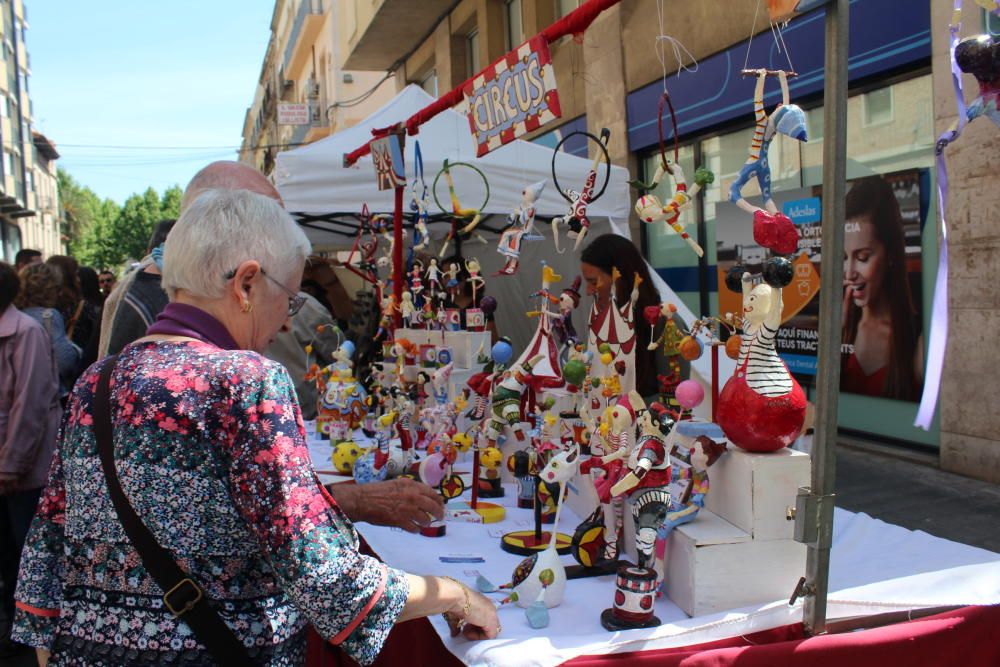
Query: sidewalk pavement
[[919, 497]]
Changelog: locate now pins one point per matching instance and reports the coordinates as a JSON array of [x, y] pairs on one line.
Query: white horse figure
[[539, 581]]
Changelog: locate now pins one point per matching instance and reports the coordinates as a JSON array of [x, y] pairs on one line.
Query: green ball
[[575, 371], [604, 348]]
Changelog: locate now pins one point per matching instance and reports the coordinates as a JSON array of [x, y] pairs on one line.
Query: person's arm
[[34, 386], [352, 600]]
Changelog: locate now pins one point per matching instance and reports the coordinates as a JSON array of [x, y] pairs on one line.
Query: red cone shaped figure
[[762, 408]]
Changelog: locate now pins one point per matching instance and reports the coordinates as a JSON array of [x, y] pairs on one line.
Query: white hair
[[220, 230]]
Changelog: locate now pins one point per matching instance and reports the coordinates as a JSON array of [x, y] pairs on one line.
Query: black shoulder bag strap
[[183, 597]]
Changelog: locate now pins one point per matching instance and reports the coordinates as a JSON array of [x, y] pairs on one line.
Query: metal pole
[[831, 293]]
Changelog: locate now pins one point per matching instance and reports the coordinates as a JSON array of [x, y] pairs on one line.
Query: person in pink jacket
[[29, 421]]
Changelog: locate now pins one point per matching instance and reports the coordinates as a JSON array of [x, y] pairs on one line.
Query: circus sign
[[513, 96]]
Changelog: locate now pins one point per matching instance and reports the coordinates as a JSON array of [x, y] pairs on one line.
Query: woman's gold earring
[[247, 306]]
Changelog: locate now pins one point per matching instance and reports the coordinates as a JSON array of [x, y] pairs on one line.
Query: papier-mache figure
[[539, 581], [979, 56], [646, 482], [342, 405], [771, 229], [521, 227], [762, 408], [650, 209], [505, 401], [693, 450], [620, 421]]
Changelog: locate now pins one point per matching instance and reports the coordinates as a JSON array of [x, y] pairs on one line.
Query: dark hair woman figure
[[880, 321], [597, 262]]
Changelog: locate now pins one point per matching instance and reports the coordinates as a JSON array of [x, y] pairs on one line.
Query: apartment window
[[5, 107], [429, 83], [515, 27], [564, 7], [878, 106], [29, 180], [472, 52], [8, 163]]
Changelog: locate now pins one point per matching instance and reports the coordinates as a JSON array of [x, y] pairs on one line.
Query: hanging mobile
[[420, 203], [457, 212], [648, 207], [771, 229], [576, 219]]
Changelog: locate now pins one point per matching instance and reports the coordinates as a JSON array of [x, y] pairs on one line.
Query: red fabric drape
[[574, 23], [964, 637]]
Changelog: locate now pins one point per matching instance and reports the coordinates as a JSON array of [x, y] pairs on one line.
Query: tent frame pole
[[815, 505]]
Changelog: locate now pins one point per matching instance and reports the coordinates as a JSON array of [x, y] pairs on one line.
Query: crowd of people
[[158, 394]]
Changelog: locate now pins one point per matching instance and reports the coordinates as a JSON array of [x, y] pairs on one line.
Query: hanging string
[[779, 41], [753, 29], [678, 48]]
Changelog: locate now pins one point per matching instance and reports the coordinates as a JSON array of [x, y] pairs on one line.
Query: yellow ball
[[606, 359], [490, 457], [344, 455]]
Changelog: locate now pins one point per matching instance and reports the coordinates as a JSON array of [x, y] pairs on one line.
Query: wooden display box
[[713, 566], [752, 491]]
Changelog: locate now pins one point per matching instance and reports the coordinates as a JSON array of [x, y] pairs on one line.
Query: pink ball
[[689, 394]]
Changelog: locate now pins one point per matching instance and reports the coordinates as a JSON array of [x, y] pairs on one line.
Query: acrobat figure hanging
[[771, 229], [979, 56], [522, 223]]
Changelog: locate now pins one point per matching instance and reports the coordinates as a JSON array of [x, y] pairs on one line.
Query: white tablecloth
[[875, 567]]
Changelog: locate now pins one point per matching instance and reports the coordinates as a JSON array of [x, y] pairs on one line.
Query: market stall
[[689, 516]]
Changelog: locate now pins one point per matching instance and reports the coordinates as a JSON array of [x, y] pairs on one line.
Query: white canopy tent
[[313, 180]]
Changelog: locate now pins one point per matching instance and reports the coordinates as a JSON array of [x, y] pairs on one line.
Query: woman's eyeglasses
[[295, 301]]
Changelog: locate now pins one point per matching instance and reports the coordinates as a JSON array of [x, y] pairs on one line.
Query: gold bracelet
[[467, 606]]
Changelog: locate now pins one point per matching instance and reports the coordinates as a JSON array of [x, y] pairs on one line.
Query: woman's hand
[[403, 503], [474, 617]]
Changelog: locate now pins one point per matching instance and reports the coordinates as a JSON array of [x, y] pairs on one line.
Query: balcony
[[305, 30], [397, 27]]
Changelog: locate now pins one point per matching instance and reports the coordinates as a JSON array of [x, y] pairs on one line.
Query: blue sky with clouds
[[106, 75]]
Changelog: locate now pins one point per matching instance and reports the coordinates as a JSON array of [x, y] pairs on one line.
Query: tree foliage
[[104, 235]]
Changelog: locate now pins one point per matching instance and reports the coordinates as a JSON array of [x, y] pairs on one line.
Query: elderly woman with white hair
[[183, 522]]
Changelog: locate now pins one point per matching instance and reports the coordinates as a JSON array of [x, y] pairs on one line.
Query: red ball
[[760, 423]]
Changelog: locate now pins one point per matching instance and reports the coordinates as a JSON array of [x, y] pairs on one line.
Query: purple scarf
[[181, 319]]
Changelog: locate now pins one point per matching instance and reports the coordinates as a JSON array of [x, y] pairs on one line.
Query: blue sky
[[179, 73]]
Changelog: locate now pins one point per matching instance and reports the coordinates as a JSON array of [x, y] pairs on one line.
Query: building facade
[[303, 65], [29, 200], [900, 101]]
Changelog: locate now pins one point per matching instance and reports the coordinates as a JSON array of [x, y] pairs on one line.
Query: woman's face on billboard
[[864, 262]]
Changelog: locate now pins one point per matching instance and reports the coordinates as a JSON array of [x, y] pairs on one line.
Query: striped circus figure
[[762, 408]]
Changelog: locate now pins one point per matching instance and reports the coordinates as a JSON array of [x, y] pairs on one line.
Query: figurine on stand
[[539, 581], [505, 402], [433, 275], [451, 283], [621, 428], [762, 410], [416, 279], [409, 311], [647, 480], [692, 453], [562, 326], [520, 228], [475, 280]]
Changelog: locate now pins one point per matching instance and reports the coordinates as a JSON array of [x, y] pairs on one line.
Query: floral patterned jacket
[[210, 449]]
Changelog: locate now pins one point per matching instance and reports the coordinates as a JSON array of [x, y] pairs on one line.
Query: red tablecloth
[[966, 637]]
